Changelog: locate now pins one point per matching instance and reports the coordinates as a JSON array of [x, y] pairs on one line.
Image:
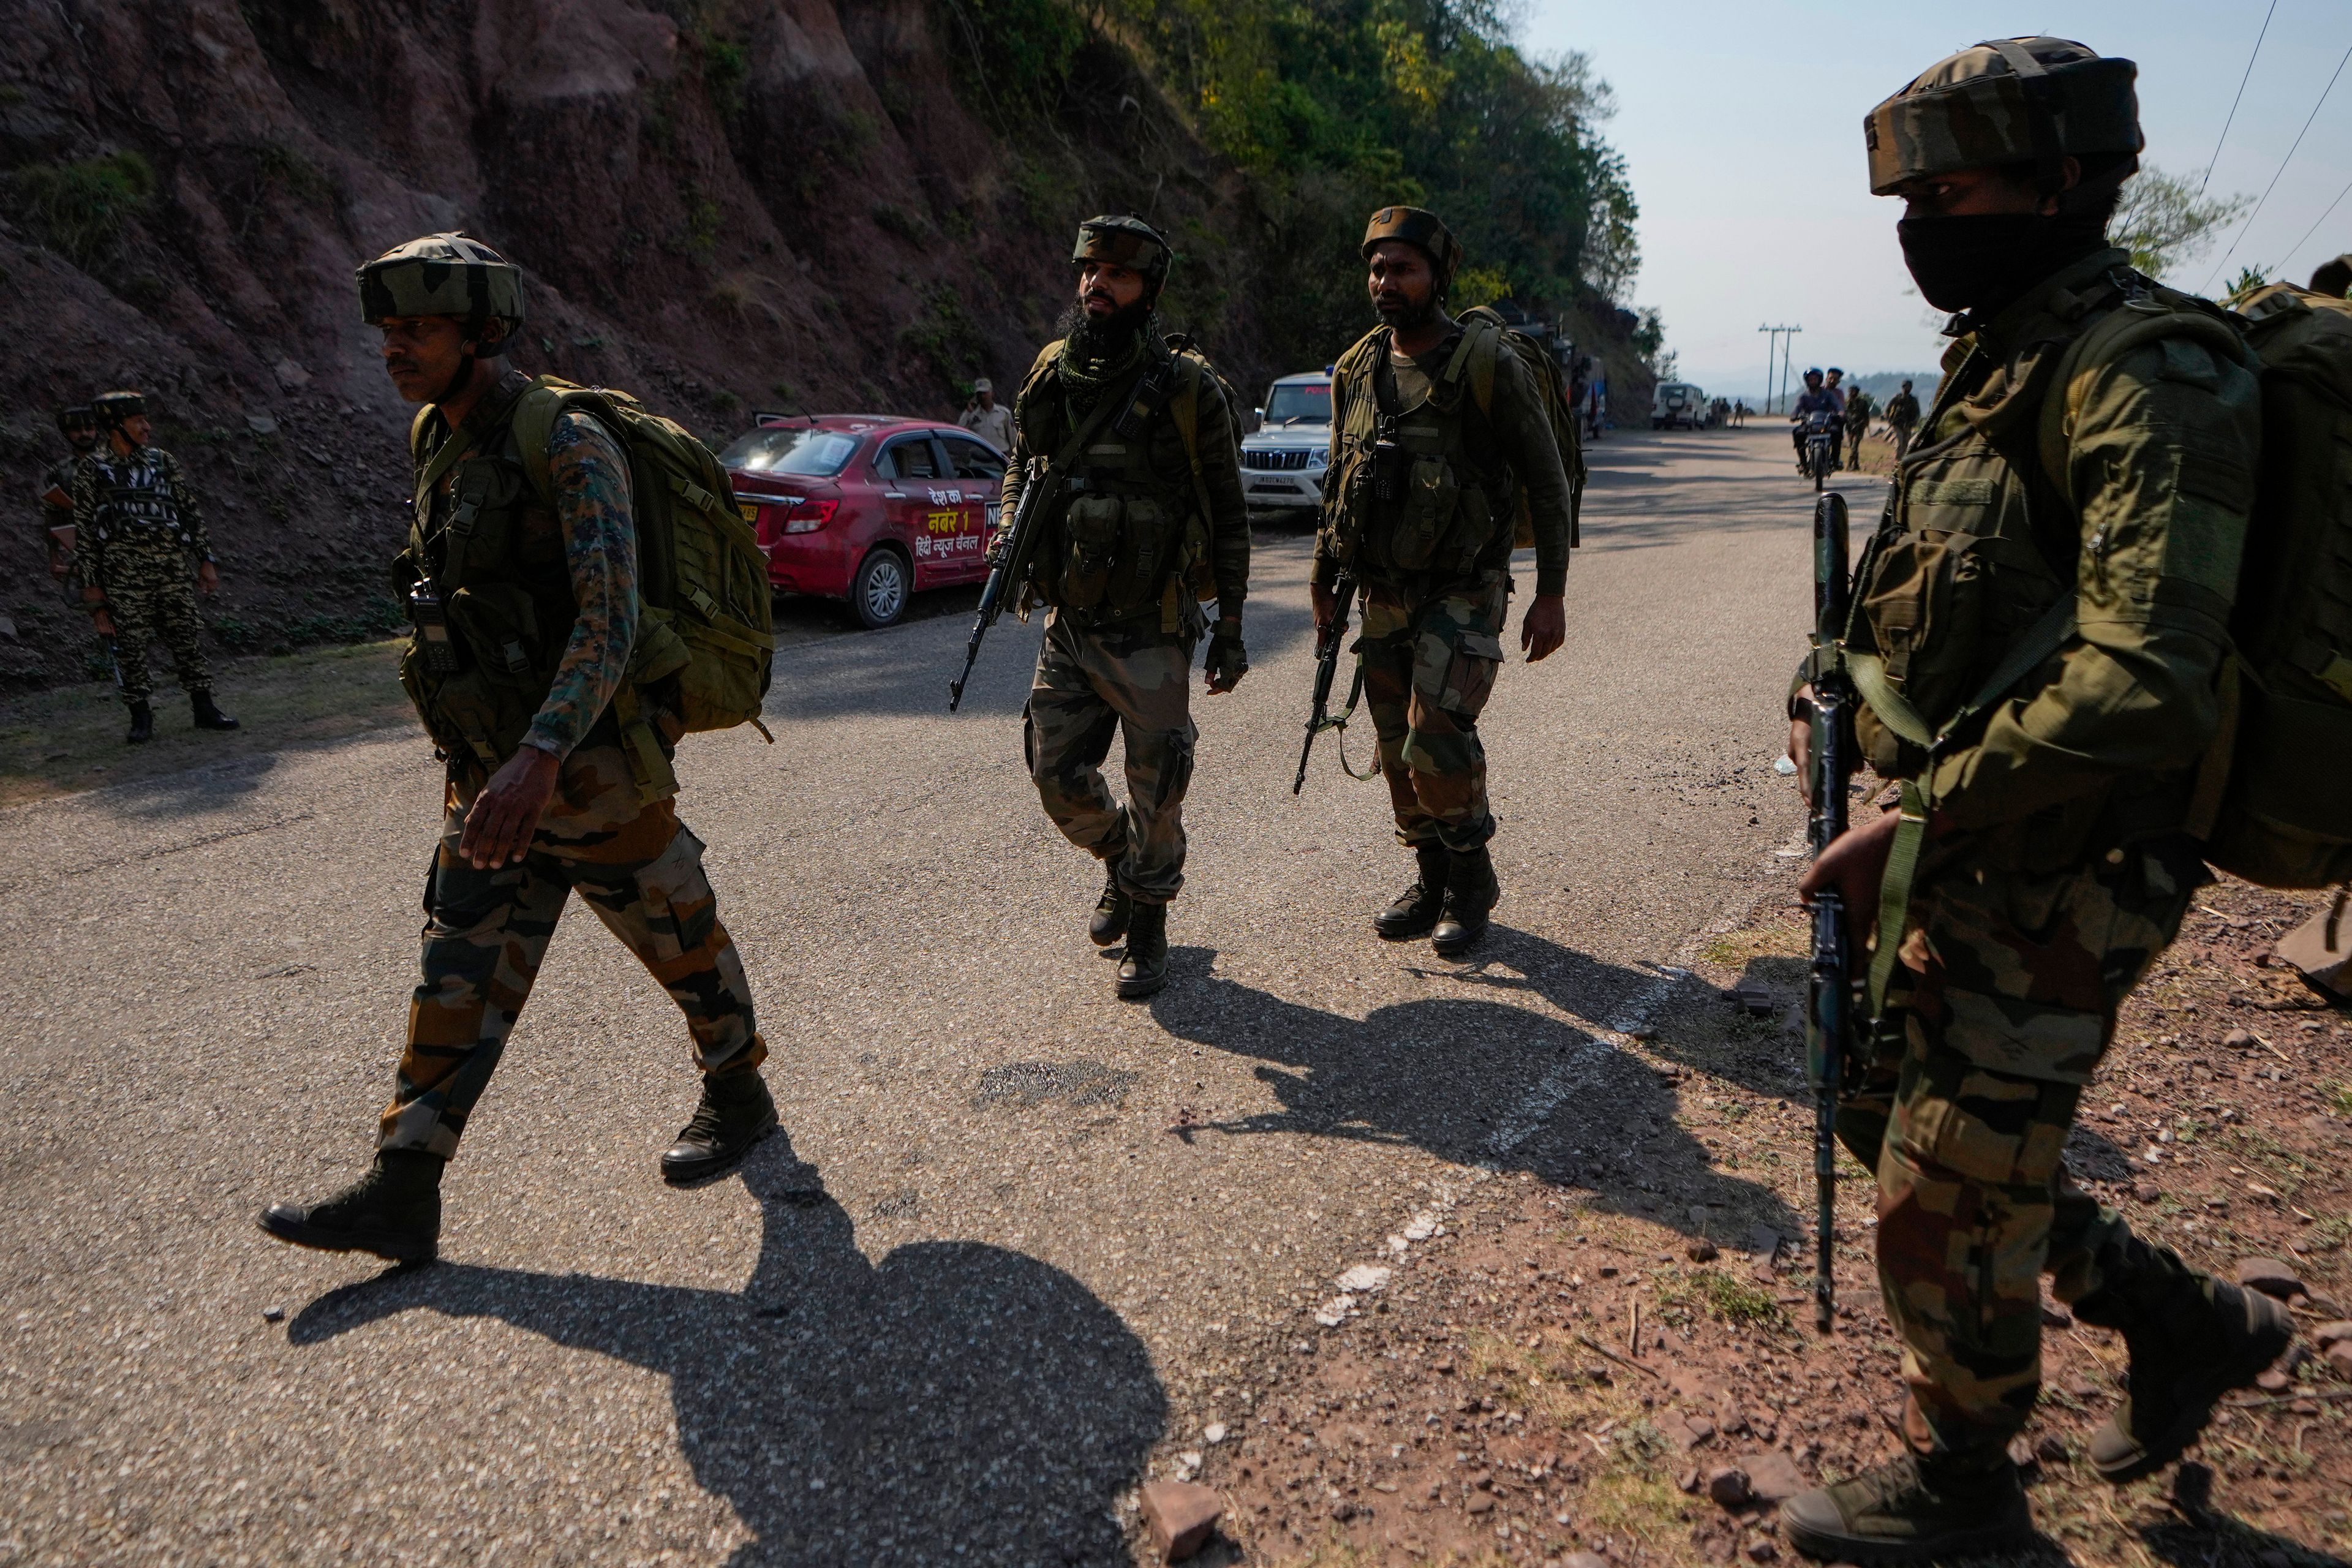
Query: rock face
[[769, 204]]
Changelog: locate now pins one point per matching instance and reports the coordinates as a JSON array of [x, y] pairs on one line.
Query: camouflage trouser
[[152, 594], [2008, 996], [485, 931], [1091, 682], [1429, 668]]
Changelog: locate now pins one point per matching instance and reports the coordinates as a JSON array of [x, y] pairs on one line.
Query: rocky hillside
[[818, 202]]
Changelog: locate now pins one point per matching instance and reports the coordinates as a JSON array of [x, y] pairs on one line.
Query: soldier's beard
[[1406, 312], [1107, 339]]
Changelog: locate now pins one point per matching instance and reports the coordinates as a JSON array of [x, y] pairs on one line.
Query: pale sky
[[1741, 127]]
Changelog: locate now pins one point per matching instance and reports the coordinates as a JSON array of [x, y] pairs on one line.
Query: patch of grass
[[725, 64], [69, 738], [78, 207], [2340, 1098], [1725, 1295], [906, 223]]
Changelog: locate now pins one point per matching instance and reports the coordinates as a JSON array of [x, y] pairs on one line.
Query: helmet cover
[[1419, 227], [114, 407], [1124, 241], [2012, 101], [77, 416], [442, 275]]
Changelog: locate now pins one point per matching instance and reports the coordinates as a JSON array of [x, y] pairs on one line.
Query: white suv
[[1282, 460]]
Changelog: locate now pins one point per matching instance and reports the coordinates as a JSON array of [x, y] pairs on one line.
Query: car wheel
[[877, 595]]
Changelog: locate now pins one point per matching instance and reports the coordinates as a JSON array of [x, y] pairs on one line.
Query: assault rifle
[[1011, 567], [1830, 1002], [1326, 667]]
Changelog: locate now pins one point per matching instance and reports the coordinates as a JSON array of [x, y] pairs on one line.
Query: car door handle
[[894, 495]]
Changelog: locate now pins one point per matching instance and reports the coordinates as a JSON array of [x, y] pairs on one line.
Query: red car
[[870, 507]]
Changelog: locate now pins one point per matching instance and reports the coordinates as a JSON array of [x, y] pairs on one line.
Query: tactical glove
[[1227, 661]]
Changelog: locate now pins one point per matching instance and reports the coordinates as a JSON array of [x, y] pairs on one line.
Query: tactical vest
[[134, 501], [485, 578], [1975, 564], [1128, 536], [1413, 490]]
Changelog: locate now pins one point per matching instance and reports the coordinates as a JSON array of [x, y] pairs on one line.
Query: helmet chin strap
[[464, 373]]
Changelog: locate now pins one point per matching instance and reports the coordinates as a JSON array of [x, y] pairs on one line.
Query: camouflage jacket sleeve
[[2161, 455], [88, 545], [1524, 432], [1016, 472], [184, 504], [1228, 519], [599, 546]]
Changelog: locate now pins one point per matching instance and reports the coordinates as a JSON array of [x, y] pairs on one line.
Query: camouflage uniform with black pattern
[[138, 535]]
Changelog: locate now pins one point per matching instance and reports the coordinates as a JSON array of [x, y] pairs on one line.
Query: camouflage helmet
[[1422, 229], [77, 416], [1127, 242], [442, 275], [114, 407], [2007, 102]]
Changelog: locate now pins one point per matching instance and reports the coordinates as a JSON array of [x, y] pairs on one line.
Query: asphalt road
[[1024, 1240]]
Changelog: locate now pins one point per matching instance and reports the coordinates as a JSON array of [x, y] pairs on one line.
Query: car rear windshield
[[818, 453], [1305, 402]]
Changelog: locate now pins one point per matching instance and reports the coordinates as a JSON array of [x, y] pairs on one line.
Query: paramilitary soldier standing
[[79, 425], [138, 534], [538, 710], [1147, 519], [1421, 505], [2048, 593]]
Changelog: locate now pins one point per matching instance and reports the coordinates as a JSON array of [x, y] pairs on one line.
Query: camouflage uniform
[[633, 862], [138, 537], [57, 481], [1117, 658], [2056, 871], [1902, 419], [1431, 641]]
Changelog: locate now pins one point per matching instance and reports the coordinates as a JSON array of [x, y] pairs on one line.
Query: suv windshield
[[1301, 403], [800, 450]]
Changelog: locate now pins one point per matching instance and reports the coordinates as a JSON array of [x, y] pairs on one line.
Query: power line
[[2281, 169], [2241, 93], [2299, 244]]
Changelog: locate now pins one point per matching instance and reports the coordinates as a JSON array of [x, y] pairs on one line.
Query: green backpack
[[1477, 359], [702, 577], [2276, 805]]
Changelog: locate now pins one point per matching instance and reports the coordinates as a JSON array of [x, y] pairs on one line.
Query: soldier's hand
[[1854, 863], [60, 564], [1801, 744], [1324, 602], [1228, 660], [1545, 626], [506, 814], [101, 622], [207, 577]]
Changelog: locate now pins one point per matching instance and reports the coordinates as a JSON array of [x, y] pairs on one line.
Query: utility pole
[[1784, 339]]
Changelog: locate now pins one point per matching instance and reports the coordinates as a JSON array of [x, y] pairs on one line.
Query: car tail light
[[809, 513]]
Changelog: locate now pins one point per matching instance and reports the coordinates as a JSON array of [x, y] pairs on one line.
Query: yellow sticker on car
[[750, 512]]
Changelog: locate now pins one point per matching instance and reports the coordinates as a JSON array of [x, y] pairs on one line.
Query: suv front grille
[[1282, 462]]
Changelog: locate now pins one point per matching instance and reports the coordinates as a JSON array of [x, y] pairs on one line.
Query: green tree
[[2163, 221]]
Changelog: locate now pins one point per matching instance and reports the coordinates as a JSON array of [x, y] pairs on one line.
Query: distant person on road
[[1858, 411], [54, 495], [1427, 478], [1902, 419], [1147, 521], [2040, 863], [139, 539], [558, 708], [1817, 398], [987, 418]]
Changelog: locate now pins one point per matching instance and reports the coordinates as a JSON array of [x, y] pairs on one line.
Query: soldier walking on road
[[1425, 477], [557, 708], [1858, 411], [1145, 521], [79, 425], [1902, 418], [2083, 584], [137, 534]]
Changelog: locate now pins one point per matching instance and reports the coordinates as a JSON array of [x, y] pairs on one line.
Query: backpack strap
[[1184, 411]]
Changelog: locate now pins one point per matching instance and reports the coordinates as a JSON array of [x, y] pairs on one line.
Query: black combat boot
[[2192, 1339], [1145, 968], [1417, 908], [1111, 911], [142, 725], [1911, 1509], [1471, 891], [735, 1113], [394, 1211], [208, 717]]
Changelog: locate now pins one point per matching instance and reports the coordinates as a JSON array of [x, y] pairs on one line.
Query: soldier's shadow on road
[[1480, 1081], [953, 1400]]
